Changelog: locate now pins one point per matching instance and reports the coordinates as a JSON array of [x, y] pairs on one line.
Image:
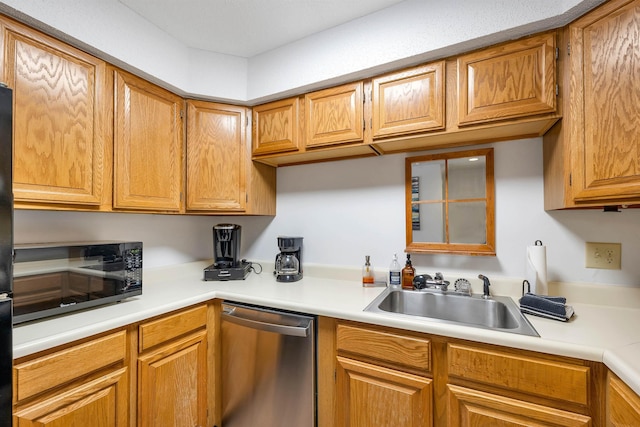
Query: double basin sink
[[495, 313]]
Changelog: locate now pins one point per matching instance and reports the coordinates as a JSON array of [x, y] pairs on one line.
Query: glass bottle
[[408, 272], [394, 272], [367, 272]]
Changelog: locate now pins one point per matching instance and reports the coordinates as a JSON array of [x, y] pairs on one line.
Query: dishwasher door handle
[[230, 315]]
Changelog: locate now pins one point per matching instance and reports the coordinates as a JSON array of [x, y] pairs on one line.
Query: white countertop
[[602, 333]]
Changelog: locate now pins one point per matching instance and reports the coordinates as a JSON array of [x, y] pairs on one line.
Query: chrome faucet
[[485, 288], [425, 281]]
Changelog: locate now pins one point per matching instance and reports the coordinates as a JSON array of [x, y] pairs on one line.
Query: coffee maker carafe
[[288, 267]]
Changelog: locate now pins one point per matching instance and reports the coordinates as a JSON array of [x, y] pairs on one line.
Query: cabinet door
[[275, 127], [469, 407], [623, 404], [148, 139], [605, 80], [334, 116], [369, 395], [409, 101], [58, 118], [172, 384], [511, 80], [102, 402], [216, 157]]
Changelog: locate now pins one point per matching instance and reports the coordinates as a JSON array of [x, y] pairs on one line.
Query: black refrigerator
[[6, 254]]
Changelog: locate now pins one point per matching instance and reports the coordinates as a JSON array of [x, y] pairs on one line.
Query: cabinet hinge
[[364, 124], [568, 49], [557, 90], [557, 53], [570, 180], [335, 376], [246, 198], [182, 114], [246, 120]]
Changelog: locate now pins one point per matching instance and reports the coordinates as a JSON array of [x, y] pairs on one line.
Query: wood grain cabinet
[[492, 386], [592, 157], [83, 385], [623, 404], [408, 101], [221, 177], [507, 81], [276, 127], [173, 370], [334, 116], [62, 148], [382, 378], [148, 146]]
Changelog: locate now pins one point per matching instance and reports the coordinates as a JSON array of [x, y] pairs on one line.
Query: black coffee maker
[[288, 267], [226, 253]]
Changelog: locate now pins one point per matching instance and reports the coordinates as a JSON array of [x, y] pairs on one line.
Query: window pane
[[467, 178], [468, 222], [428, 222], [428, 180]]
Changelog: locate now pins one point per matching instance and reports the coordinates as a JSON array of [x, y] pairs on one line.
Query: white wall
[[348, 209], [406, 33]]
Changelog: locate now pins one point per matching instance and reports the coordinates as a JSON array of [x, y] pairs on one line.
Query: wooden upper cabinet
[[409, 101], [334, 115], [605, 79], [148, 146], [275, 127], [60, 137], [511, 80], [216, 156]]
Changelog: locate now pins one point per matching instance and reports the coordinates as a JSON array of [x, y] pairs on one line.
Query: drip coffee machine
[[226, 252], [288, 266]]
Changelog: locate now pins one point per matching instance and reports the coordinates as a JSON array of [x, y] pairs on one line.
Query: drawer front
[[58, 368], [172, 326], [546, 378], [404, 350]]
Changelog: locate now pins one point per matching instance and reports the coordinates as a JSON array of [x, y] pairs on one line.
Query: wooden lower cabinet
[[370, 395], [382, 376], [82, 385], [172, 370], [623, 404], [468, 407]]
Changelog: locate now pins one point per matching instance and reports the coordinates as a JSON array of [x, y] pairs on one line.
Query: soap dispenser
[[408, 272]]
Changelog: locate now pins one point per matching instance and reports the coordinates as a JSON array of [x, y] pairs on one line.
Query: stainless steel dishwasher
[[268, 367]]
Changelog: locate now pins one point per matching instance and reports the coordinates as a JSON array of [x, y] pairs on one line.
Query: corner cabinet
[[216, 157], [148, 146], [623, 404], [592, 157], [62, 148]]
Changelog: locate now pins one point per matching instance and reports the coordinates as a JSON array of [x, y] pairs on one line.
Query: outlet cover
[[603, 255]]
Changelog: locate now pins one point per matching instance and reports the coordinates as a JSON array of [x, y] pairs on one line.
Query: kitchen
[[364, 208]]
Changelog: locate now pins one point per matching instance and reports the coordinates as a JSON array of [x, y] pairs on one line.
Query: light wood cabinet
[[334, 115], [409, 101], [510, 80], [381, 378], [221, 177], [276, 127], [62, 146], [217, 159], [173, 370], [85, 384], [623, 404], [148, 146], [592, 156]]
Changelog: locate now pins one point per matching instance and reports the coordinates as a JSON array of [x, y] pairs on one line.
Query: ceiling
[[247, 28]]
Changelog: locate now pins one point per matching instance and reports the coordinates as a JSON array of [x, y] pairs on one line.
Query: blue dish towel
[[545, 306]]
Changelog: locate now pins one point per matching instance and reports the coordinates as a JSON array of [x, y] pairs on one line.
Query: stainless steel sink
[[496, 313]]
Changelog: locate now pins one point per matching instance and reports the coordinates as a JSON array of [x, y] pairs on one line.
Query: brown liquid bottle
[[407, 274]]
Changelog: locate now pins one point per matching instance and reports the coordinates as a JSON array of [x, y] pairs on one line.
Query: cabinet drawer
[[47, 372], [172, 326], [404, 350], [546, 378]]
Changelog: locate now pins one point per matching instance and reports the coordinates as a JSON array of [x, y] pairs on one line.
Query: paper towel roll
[[536, 268]]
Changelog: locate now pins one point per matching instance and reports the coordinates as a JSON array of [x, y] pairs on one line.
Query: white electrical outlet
[[603, 255]]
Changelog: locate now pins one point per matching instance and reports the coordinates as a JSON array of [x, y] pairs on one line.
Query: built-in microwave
[[50, 279]]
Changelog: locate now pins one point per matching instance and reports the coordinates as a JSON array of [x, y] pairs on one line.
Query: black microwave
[[50, 279]]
